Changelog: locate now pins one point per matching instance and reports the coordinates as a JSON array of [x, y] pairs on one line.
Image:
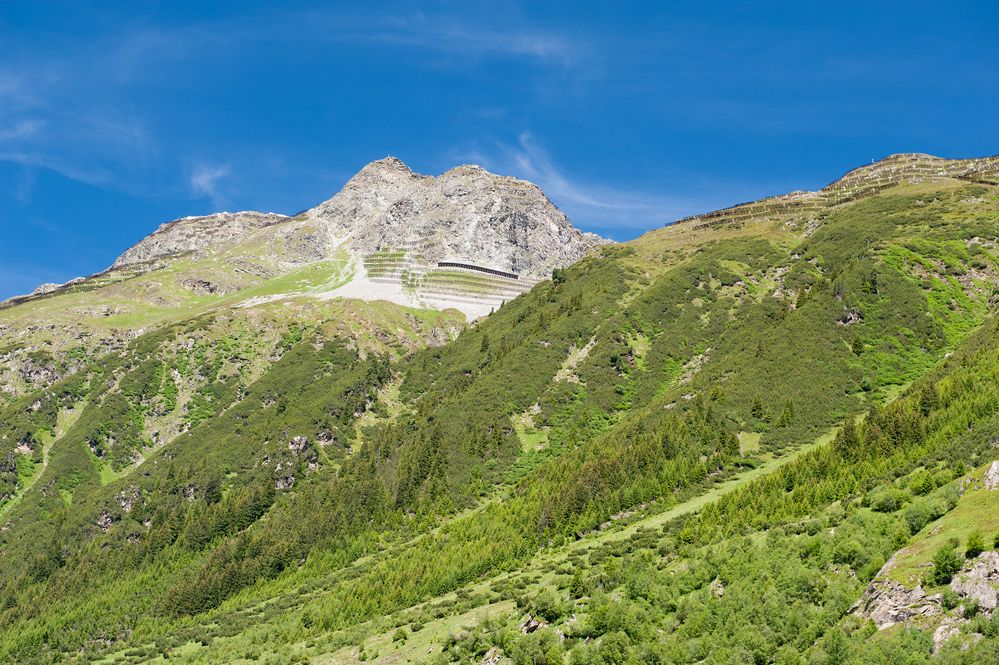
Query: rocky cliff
[[941, 609], [466, 214]]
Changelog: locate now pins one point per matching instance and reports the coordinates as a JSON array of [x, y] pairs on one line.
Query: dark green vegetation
[[626, 453]]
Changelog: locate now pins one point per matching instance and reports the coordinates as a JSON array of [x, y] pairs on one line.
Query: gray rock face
[[104, 521], [981, 582], [127, 498], [991, 477], [47, 287], [196, 234], [298, 444], [886, 603], [466, 214]]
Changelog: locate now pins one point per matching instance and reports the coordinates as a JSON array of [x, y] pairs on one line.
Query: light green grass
[[694, 504], [977, 509], [531, 438], [749, 442]]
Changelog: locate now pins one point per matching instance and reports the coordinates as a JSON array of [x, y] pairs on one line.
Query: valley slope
[[699, 446]]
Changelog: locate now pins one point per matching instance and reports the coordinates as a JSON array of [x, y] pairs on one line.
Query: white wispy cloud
[[20, 129], [53, 116], [589, 205], [469, 39], [75, 110], [204, 181], [24, 185]]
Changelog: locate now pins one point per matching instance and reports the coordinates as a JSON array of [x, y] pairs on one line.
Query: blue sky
[[628, 114]]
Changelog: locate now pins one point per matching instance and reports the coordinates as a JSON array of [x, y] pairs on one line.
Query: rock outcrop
[[47, 287], [979, 581], [887, 603], [196, 235], [991, 477]]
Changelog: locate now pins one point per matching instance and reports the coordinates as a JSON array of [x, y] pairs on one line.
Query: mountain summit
[[466, 214], [390, 230]]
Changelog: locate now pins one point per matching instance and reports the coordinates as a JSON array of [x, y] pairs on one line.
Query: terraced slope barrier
[[469, 266]]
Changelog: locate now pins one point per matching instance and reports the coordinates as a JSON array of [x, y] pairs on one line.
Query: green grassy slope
[[637, 451]]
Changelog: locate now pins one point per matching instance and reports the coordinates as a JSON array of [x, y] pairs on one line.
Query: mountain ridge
[[379, 185], [899, 166], [386, 218], [859, 182]]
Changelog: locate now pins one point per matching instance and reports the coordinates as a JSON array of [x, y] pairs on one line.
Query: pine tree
[[847, 442], [786, 414], [928, 399]]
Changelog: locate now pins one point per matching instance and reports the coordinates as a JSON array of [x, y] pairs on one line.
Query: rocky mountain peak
[[465, 214], [388, 168]]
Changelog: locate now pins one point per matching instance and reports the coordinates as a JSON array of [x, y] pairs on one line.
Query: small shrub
[[850, 552], [975, 545], [547, 605], [946, 563], [614, 647], [986, 626], [889, 500], [541, 647], [917, 516]]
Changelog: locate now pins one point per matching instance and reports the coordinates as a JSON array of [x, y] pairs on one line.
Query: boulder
[[298, 444], [887, 603], [532, 624], [991, 477], [981, 582]]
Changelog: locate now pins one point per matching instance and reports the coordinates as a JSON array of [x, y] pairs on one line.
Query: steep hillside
[[700, 446], [384, 237]]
